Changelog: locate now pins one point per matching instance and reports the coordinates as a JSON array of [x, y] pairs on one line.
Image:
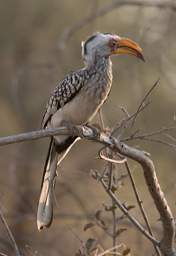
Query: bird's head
[[106, 44]]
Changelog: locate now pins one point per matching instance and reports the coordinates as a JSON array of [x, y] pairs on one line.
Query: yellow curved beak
[[128, 46]]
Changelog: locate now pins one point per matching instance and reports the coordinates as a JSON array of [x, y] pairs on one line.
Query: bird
[[76, 100]]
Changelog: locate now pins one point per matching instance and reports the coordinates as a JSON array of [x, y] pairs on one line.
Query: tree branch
[[140, 204], [34, 135], [128, 215], [167, 242], [68, 32]]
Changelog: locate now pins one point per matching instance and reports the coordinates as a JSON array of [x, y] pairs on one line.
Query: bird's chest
[[86, 103], [83, 107], [97, 89], [93, 95]]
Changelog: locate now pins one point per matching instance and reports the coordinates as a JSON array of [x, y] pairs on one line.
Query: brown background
[[33, 58]]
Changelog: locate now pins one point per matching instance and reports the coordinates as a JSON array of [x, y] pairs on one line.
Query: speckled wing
[[63, 93]]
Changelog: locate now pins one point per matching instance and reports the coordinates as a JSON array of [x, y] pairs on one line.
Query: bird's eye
[[113, 44]]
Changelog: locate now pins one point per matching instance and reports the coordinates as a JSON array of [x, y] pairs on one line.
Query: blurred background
[[40, 42]]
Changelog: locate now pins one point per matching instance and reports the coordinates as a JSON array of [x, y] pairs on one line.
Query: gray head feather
[[96, 45]]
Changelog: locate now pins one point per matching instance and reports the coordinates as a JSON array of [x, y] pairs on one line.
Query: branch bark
[[167, 242]]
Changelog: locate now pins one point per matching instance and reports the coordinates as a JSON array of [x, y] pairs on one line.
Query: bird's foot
[[106, 130]]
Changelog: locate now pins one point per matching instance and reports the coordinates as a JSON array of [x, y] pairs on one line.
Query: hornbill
[[76, 100]]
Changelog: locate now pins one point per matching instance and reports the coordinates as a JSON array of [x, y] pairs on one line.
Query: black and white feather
[[63, 93], [76, 100]]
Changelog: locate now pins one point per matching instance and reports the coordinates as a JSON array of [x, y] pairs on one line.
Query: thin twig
[[114, 221], [111, 249], [125, 123], [9, 233], [147, 137], [170, 136], [114, 225], [173, 146], [131, 218], [143, 100], [140, 204], [150, 134]]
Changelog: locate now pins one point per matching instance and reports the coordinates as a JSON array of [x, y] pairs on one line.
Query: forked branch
[[167, 242]]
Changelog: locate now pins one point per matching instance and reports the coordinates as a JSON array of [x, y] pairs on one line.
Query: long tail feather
[[45, 206]]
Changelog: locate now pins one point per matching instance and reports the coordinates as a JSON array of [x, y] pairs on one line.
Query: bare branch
[[125, 211], [125, 123], [167, 243], [68, 32], [34, 135], [150, 134], [147, 137], [140, 204], [143, 101]]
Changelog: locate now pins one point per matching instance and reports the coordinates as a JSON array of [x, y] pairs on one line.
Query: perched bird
[[75, 101]]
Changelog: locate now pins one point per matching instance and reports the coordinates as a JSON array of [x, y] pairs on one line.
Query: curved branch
[[90, 133]]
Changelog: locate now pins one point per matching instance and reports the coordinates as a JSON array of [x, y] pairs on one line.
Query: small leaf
[[97, 214], [111, 208], [126, 252], [122, 177], [114, 188], [130, 207], [94, 174], [120, 231], [88, 225], [80, 253], [103, 224], [91, 245]]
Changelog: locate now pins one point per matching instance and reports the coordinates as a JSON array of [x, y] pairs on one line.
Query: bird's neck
[[101, 64]]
